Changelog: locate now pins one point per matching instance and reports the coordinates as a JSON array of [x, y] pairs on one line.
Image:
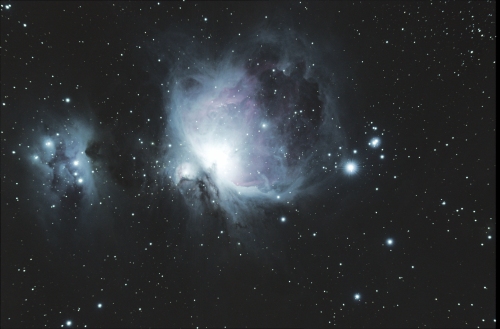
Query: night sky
[[290, 164]]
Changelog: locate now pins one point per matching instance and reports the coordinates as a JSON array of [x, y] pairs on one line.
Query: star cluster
[[241, 127], [187, 164]]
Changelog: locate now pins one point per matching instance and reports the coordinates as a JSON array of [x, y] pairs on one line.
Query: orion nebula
[[256, 125], [248, 164]]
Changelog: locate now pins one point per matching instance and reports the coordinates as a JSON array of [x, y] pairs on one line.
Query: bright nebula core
[[250, 130], [255, 124]]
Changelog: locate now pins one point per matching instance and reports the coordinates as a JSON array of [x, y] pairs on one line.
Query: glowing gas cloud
[[69, 176], [253, 125]]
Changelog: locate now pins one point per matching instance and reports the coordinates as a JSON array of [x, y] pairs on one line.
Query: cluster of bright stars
[[375, 142], [49, 144], [80, 180], [351, 167]]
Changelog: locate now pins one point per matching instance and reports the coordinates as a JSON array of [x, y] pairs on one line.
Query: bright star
[[351, 167], [357, 296], [375, 142]]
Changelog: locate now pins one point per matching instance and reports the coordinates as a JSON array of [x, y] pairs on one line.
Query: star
[[351, 168], [375, 142]]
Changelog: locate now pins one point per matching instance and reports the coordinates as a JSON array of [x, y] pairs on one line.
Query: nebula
[[252, 126], [68, 173]]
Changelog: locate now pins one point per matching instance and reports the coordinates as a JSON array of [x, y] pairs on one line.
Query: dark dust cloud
[[319, 164], [251, 126]]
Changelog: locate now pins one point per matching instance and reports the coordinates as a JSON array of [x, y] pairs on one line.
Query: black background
[[423, 73]]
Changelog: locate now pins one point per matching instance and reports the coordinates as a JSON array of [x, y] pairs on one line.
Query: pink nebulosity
[[225, 131]]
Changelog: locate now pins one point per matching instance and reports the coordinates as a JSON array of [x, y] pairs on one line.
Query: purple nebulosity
[[245, 132], [249, 128]]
